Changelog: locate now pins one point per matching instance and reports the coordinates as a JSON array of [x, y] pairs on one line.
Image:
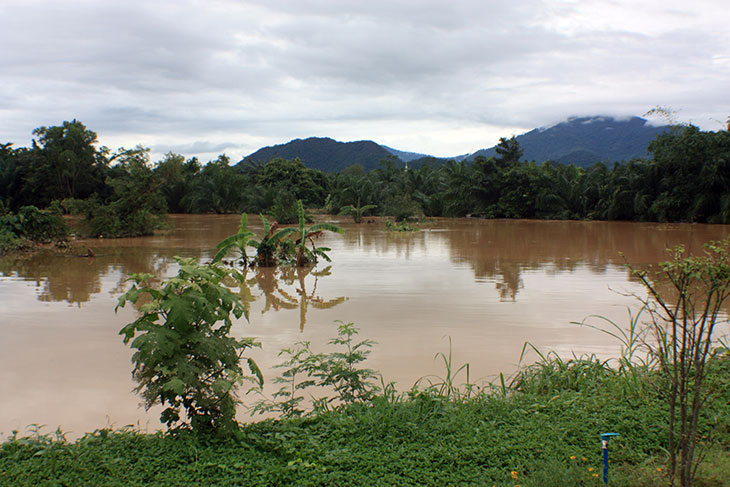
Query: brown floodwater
[[489, 285]]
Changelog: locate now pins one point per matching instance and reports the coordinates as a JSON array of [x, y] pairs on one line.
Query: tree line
[[687, 179]]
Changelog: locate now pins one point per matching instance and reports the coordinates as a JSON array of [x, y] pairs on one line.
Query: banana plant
[[273, 245], [239, 241], [356, 211], [306, 256]]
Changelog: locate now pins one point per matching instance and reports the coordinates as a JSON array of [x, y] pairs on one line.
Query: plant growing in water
[[402, 226], [239, 241], [305, 256], [272, 249], [185, 357], [356, 211]]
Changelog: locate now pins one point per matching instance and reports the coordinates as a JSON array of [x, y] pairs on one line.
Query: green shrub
[[9, 242], [114, 220], [402, 226], [401, 207], [33, 225], [185, 357], [284, 210]]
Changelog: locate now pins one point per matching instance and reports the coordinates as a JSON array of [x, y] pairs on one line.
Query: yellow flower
[[595, 475], [572, 457], [514, 474], [583, 458], [658, 469], [590, 469]]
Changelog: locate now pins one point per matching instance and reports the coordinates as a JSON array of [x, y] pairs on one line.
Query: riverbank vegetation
[[121, 192], [542, 432]]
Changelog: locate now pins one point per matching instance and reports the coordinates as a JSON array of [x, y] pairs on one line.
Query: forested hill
[[583, 141], [325, 154]]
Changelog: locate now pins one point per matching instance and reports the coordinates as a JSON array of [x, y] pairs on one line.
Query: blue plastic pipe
[[605, 437]]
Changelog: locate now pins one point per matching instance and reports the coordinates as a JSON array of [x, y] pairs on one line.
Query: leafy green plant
[[272, 249], [298, 368], [304, 255], [684, 319], [185, 357], [341, 371], [40, 226], [357, 211], [238, 241], [402, 226]]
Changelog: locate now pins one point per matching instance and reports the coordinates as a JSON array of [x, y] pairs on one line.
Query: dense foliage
[[686, 179], [186, 357], [31, 226]]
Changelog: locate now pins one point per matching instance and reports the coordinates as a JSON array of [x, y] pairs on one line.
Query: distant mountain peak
[[585, 140], [578, 140], [325, 153]]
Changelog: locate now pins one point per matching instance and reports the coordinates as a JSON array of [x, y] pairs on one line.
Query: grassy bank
[[542, 432]]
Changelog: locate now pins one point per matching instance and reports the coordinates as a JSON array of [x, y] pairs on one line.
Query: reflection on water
[[498, 251], [489, 285], [286, 288]]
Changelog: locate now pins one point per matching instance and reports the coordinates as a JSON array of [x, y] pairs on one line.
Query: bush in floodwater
[[31, 225], [114, 220], [185, 357], [402, 226]]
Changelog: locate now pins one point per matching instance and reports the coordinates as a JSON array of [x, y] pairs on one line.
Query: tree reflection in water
[[75, 279], [70, 278], [276, 283]]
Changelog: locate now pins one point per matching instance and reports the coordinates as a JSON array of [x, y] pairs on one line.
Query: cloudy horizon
[[203, 78]]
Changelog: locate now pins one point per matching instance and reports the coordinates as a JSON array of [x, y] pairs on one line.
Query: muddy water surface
[[489, 285]]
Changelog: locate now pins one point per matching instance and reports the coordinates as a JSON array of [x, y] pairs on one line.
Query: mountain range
[[581, 141]]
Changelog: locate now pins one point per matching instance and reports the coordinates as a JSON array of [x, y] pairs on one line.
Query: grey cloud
[[196, 147], [259, 71]]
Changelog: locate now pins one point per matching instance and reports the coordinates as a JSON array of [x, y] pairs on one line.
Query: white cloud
[[424, 76]]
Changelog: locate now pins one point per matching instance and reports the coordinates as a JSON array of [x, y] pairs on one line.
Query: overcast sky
[[432, 76]]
